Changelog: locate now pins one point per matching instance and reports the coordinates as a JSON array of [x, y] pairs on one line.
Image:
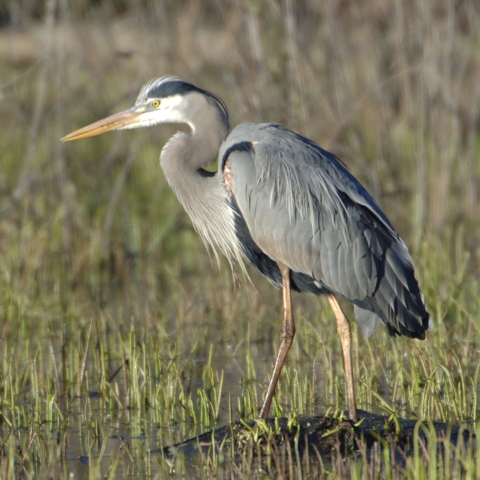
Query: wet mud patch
[[320, 437]]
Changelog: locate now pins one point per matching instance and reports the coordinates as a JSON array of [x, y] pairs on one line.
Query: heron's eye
[[155, 103]]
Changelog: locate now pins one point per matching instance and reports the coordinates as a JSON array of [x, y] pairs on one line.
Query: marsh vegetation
[[119, 335]]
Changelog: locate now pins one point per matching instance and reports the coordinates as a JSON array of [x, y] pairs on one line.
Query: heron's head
[[162, 100]]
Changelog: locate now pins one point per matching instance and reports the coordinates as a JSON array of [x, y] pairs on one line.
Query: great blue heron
[[288, 207]]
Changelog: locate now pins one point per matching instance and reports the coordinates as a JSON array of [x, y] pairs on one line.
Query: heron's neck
[[186, 155], [203, 196]]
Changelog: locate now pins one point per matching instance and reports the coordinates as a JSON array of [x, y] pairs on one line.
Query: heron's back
[[297, 204]]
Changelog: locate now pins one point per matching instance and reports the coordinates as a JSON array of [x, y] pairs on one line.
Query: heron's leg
[[288, 332], [345, 333]]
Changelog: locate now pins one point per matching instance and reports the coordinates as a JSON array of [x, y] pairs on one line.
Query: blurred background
[[389, 86], [91, 231]]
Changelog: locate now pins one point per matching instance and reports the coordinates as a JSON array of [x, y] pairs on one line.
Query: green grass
[[118, 334]]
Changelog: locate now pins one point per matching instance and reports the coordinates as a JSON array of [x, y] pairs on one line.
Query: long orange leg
[[288, 332], [345, 333]]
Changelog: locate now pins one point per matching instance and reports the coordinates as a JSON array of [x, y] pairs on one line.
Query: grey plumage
[[302, 207], [285, 205]]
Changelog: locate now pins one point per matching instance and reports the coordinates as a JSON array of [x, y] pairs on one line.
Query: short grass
[[118, 334]]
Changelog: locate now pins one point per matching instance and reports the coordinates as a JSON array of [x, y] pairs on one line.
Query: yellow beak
[[113, 122]]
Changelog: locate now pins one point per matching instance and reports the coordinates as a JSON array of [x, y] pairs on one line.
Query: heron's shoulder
[[273, 137], [251, 132], [260, 138], [241, 138]]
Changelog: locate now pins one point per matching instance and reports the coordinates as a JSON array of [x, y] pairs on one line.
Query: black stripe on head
[[168, 86], [172, 87]]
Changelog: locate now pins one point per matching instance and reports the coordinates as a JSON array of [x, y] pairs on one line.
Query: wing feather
[[303, 208]]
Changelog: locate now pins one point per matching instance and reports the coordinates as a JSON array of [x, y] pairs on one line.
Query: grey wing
[[298, 205]]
